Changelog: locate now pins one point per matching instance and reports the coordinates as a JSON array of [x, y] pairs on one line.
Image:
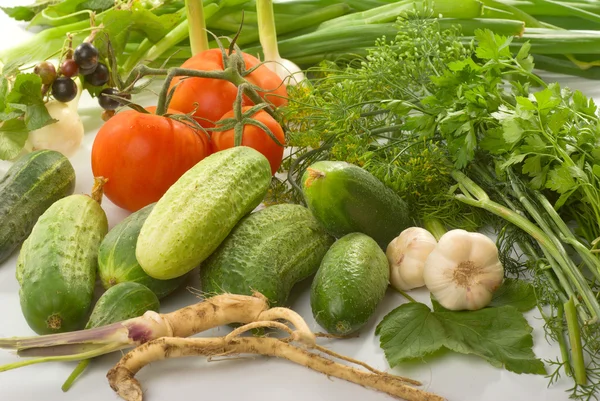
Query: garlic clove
[[406, 256]]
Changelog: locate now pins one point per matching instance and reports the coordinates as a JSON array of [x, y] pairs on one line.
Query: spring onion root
[[122, 376]]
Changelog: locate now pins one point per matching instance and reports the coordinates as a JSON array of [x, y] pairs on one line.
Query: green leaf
[[491, 46], [524, 59], [399, 340], [119, 24], [512, 130], [563, 198], [65, 8], [515, 158], [500, 335], [546, 100], [494, 142], [532, 166], [533, 144], [560, 180], [517, 293], [26, 96], [26, 13], [539, 181], [3, 93], [596, 170], [557, 120], [525, 104], [13, 134], [583, 104]]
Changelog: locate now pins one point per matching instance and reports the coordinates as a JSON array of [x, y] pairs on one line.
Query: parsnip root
[[122, 377]]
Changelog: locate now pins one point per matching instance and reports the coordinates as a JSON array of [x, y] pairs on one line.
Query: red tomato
[[214, 97], [142, 155], [254, 137]]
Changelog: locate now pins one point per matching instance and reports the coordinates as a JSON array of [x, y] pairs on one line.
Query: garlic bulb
[[406, 256], [463, 270]]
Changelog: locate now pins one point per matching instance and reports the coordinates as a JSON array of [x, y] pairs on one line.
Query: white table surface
[[456, 377]]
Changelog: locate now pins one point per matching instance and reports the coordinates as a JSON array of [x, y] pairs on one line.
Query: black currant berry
[[86, 56], [64, 89], [99, 77]]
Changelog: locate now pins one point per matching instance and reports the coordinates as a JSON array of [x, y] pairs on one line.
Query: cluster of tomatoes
[[143, 154]]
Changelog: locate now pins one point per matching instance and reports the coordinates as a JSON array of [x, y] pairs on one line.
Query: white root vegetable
[[464, 270], [65, 135], [122, 376], [406, 255]]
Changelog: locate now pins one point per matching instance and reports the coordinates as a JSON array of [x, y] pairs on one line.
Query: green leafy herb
[[516, 293], [26, 13], [500, 335]]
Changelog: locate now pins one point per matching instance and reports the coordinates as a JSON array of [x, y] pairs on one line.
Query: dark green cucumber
[[33, 183], [268, 251], [120, 302], [346, 198], [116, 257], [56, 268], [349, 285]]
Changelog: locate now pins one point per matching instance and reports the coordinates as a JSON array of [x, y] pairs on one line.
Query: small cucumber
[[346, 198], [268, 251], [116, 257], [196, 214], [56, 268], [33, 183], [121, 302], [349, 285]]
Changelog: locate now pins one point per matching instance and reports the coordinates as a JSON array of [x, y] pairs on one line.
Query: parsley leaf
[[500, 335], [26, 97], [559, 179]]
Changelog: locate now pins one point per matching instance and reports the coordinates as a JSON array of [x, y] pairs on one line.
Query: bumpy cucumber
[[121, 302], [56, 268], [346, 198], [268, 251], [196, 214], [33, 183], [349, 285], [116, 257]]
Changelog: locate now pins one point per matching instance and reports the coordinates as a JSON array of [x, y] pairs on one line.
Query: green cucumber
[[120, 302], [56, 268], [33, 183], [116, 257], [268, 251], [349, 285], [346, 198], [197, 212]]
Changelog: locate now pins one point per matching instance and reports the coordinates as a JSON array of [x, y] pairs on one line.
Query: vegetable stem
[[197, 26], [435, 227], [81, 366], [267, 30], [575, 340], [564, 352]]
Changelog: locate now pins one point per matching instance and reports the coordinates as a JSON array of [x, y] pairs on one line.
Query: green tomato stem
[[197, 26], [575, 340]]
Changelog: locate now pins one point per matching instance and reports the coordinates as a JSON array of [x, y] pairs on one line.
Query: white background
[[456, 377]]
